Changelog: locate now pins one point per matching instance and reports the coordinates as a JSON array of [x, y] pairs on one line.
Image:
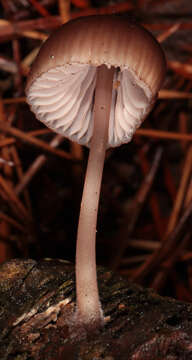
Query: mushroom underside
[[65, 94]]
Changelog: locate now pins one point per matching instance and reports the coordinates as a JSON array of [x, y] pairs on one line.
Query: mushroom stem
[[89, 311]]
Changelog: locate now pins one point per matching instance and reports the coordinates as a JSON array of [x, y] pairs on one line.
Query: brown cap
[[60, 87]]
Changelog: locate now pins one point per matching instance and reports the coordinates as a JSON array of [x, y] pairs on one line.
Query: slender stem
[[88, 305]]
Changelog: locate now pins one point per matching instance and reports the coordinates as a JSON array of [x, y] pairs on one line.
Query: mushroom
[[94, 81]]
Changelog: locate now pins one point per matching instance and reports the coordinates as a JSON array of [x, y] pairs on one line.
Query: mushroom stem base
[[89, 312]]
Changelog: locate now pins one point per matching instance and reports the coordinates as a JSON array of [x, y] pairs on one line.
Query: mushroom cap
[[60, 87]]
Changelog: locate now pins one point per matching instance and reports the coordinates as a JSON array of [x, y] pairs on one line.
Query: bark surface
[[37, 302]]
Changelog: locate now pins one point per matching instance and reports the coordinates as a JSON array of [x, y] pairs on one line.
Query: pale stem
[[89, 311]]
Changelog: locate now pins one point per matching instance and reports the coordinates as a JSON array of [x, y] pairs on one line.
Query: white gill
[[63, 97]]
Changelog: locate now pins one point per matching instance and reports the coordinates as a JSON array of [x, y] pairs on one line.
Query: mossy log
[[37, 302]]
